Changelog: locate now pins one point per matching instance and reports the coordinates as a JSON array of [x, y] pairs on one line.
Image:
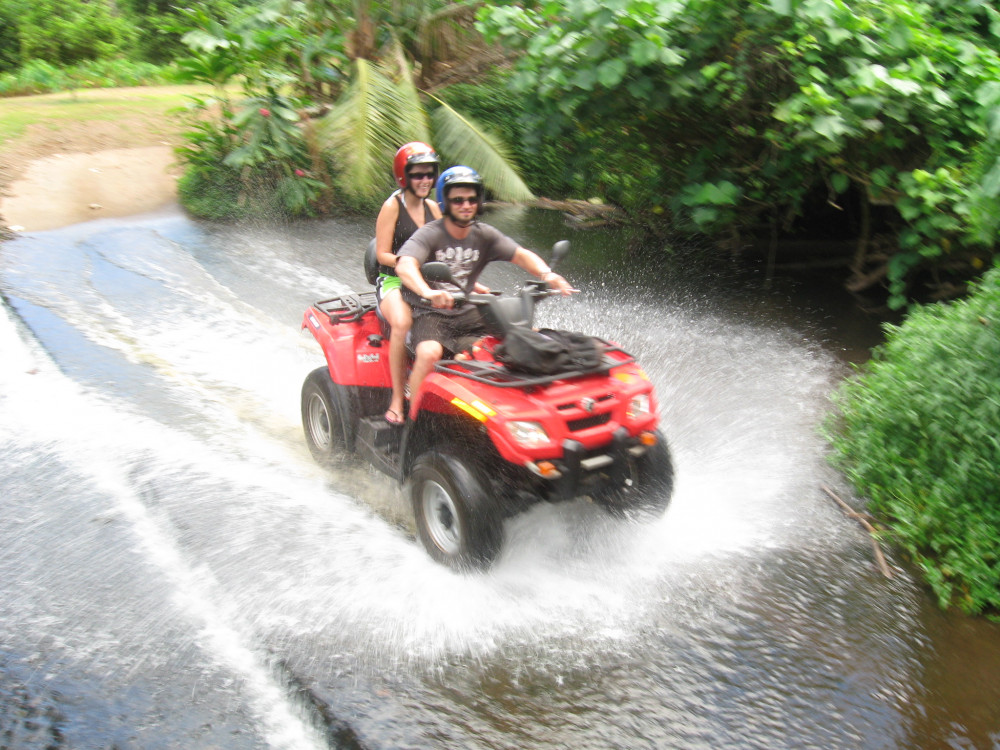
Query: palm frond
[[413, 115], [467, 142], [363, 131]]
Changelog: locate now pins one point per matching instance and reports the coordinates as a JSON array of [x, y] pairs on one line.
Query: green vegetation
[[876, 120], [39, 77], [66, 33], [294, 60], [916, 432]]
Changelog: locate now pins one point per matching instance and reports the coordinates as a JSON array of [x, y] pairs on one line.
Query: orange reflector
[[485, 408], [647, 438], [471, 410], [546, 468]]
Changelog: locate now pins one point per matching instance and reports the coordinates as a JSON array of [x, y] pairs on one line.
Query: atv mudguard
[[351, 336]]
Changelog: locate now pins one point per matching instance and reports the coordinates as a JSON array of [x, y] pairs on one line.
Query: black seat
[[371, 273], [371, 263]]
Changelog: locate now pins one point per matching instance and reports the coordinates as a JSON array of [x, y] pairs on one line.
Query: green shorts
[[385, 283]]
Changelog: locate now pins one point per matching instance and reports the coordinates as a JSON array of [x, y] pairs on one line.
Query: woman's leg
[[397, 314]]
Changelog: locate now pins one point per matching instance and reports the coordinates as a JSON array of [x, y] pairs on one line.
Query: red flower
[[265, 111], [299, 173]]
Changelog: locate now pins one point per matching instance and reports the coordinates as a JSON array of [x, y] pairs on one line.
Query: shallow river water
[[176, 572]]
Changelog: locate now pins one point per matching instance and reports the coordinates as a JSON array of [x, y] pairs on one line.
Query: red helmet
[[410, 155]]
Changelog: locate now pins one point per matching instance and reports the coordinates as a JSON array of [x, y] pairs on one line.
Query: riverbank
[[76, 156]]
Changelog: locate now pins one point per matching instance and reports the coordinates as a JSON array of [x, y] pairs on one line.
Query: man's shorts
[[384, 284], [455, 332]]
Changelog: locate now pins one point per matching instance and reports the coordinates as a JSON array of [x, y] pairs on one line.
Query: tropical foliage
[[40, 77], [340, 100], [916, 432], [69, 32], [878, 119]]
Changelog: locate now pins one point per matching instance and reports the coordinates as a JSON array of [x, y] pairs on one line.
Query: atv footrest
[[379, 441]]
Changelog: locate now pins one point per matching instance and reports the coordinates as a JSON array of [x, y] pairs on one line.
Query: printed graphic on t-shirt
[[461, 261]]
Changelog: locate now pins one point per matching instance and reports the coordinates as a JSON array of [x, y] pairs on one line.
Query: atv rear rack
[[500, 376], [347, 308]]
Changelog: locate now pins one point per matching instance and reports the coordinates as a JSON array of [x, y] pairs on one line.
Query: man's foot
[[394, 417]]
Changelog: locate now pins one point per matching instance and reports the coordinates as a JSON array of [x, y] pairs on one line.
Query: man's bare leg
[[429, 353]]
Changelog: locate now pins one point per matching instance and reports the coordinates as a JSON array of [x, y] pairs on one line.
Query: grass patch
[[148, 107]]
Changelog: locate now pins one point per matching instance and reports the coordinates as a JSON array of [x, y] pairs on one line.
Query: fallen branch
[[879, 557]]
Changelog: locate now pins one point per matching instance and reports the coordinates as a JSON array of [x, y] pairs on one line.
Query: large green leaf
[[467, 142], [363, 131], [412, 114]]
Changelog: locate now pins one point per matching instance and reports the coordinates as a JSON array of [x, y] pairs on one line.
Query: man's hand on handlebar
[[440, 299], [559, 284]]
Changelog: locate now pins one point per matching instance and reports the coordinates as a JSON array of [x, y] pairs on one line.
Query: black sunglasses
[[421, 175], [459, 201]]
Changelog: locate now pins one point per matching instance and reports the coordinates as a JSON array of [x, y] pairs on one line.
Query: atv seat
[[371, 273], [371, 263]]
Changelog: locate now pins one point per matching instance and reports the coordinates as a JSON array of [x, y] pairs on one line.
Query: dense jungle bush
[[330, 119], [39, 77], [66, 33], [248, 160], [877, 119], [917, 431], [543, 162]]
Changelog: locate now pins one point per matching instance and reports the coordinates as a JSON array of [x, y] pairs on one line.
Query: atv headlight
[[638, 406], [528, 433]]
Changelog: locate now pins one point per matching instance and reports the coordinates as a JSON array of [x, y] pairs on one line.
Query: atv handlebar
[[531, 291], [537, 289]]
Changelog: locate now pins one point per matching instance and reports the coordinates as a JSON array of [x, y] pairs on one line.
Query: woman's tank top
[[405, 226]]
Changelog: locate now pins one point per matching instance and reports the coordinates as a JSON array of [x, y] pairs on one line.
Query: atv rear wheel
[[322, 417], [648, 486], [453, 512]]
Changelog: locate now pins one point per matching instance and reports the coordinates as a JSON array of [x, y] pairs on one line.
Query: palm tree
[[383, 109], [324, 48]]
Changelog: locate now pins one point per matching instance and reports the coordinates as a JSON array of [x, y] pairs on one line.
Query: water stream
[[175, 571]]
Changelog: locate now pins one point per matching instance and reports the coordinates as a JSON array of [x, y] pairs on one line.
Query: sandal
[[394, 417]]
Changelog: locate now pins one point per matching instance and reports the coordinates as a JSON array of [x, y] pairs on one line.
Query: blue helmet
[[455, 176]]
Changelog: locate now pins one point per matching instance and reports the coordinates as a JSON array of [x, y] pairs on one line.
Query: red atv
[[484, 437]]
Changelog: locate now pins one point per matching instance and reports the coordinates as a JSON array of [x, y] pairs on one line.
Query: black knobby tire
[[649, 484], [323, 418], [454, 514]]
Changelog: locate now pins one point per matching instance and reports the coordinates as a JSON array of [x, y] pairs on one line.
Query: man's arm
[[530, 262], [408, 270]]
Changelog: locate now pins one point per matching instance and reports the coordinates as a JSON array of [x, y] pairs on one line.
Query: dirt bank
[[63, 170]]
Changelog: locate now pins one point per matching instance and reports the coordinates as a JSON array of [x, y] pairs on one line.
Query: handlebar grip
[[459, 298]]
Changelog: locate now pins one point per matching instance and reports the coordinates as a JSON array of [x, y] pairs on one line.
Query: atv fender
[[355, 350]]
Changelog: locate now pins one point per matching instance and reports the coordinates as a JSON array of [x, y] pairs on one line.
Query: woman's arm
[[385, 225]]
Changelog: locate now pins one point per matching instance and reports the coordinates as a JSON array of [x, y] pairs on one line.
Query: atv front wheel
[[453, 513], [648, 485], [322, 417]]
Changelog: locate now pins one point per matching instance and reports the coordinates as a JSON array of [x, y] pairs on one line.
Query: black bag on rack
[[547, 352]]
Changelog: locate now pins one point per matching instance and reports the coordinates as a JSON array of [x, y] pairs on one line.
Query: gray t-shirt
[[466, 258]]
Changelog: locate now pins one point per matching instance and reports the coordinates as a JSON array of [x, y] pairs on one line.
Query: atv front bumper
[[581, 471]]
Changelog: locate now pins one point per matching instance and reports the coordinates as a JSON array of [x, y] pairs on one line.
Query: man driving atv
[[466, 246]]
